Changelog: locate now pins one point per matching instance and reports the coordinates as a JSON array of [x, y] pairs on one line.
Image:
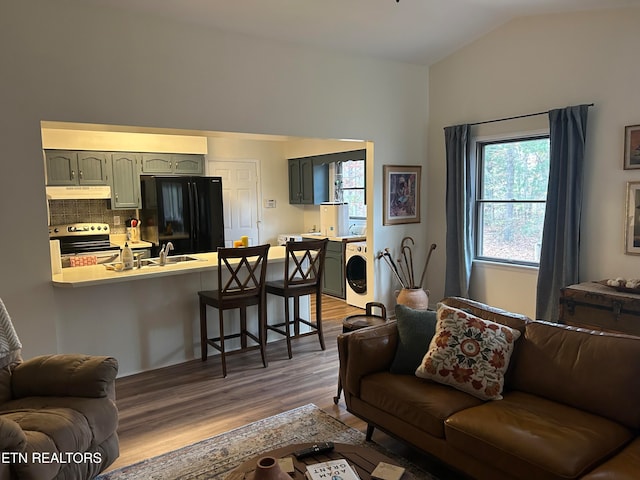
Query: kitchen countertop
[[119, 239], [346, 238], [98, 274]]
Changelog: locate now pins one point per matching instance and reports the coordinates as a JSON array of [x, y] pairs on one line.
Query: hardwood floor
[[164, 409], [168, 408]]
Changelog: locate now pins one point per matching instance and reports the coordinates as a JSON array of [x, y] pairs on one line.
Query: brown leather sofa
[[570, 407], [58, 417]]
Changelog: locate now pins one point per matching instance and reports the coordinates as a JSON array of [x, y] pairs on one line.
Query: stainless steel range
[[84, 243]]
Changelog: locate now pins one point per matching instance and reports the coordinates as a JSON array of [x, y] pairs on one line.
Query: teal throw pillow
[[415, 331]]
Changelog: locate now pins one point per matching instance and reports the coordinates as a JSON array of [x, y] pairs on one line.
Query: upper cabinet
[[125, 189], [188, 164], [308, 181], [77, 168], [172, 164], [309, 176], [120, 170]]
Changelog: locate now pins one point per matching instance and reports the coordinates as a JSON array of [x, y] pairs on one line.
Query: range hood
[[79, 192]]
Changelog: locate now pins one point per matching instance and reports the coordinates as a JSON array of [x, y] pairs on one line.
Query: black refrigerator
[[186, 211]]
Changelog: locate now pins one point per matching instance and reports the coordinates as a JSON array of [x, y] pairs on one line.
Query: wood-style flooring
[[168, 408]]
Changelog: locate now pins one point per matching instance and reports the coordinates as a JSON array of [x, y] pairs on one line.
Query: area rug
[[213, 458]]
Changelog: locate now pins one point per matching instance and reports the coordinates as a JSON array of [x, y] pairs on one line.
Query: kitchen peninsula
[[205, 262], [152, 313]]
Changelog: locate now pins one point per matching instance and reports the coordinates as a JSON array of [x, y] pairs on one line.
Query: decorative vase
[[416, 298], [267, 468]]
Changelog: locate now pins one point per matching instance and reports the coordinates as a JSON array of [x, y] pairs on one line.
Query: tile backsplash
[[75, 211]]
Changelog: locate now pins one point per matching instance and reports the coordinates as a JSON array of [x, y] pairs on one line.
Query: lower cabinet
[[333, 282]]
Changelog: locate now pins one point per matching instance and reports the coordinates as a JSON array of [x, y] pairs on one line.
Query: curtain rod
[[516, 117]]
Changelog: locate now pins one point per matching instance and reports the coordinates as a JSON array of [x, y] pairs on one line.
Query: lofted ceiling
[[415, 31]]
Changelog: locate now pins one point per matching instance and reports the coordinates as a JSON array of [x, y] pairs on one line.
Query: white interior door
[[240, 187]]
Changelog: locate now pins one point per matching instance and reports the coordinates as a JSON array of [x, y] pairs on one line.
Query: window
[[511, 198], [351, 184]]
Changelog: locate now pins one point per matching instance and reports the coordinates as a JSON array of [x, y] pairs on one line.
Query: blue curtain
[[560, 252], [460, 199]]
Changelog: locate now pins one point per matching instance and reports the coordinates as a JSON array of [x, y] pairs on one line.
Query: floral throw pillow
[[469, 353]]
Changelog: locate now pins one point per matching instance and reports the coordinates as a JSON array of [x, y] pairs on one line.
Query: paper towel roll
[[56, 261]]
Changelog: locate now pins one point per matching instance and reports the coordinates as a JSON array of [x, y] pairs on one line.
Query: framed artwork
[[631, 147], [401, 188], [632, 233]]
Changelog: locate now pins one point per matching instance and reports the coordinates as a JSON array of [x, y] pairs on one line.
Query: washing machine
[[356, 273]]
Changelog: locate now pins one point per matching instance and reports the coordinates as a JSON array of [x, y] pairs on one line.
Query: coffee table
[[364, 459]]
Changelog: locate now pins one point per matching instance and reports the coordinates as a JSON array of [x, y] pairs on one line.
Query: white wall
[[535, 64], [71, 62]]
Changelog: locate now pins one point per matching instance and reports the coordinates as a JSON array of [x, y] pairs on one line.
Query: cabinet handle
[[80, 172], [73, 174]]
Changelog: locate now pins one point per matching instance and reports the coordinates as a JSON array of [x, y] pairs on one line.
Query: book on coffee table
[[286, 464], [332, 470], [386, 471]]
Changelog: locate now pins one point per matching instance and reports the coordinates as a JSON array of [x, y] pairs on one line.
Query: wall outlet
[[116, 220]]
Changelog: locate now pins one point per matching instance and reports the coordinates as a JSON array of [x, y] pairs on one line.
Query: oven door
[[89, 258]]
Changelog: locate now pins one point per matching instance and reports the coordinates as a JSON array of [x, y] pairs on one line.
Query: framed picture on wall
[[631, 147], [401, 186], [632, 234]]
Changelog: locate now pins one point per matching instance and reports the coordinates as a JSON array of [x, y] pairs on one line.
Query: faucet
[[137, 259], [164, 252]]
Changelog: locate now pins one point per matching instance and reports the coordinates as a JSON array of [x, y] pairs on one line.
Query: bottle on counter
[[127, 257]]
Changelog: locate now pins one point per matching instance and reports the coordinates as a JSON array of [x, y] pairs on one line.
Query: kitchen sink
[[144, 262], [154, 262], [172, 259]]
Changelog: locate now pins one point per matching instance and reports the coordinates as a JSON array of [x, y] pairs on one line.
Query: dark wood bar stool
[[241, 283], [304, 267], [358, 321]]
